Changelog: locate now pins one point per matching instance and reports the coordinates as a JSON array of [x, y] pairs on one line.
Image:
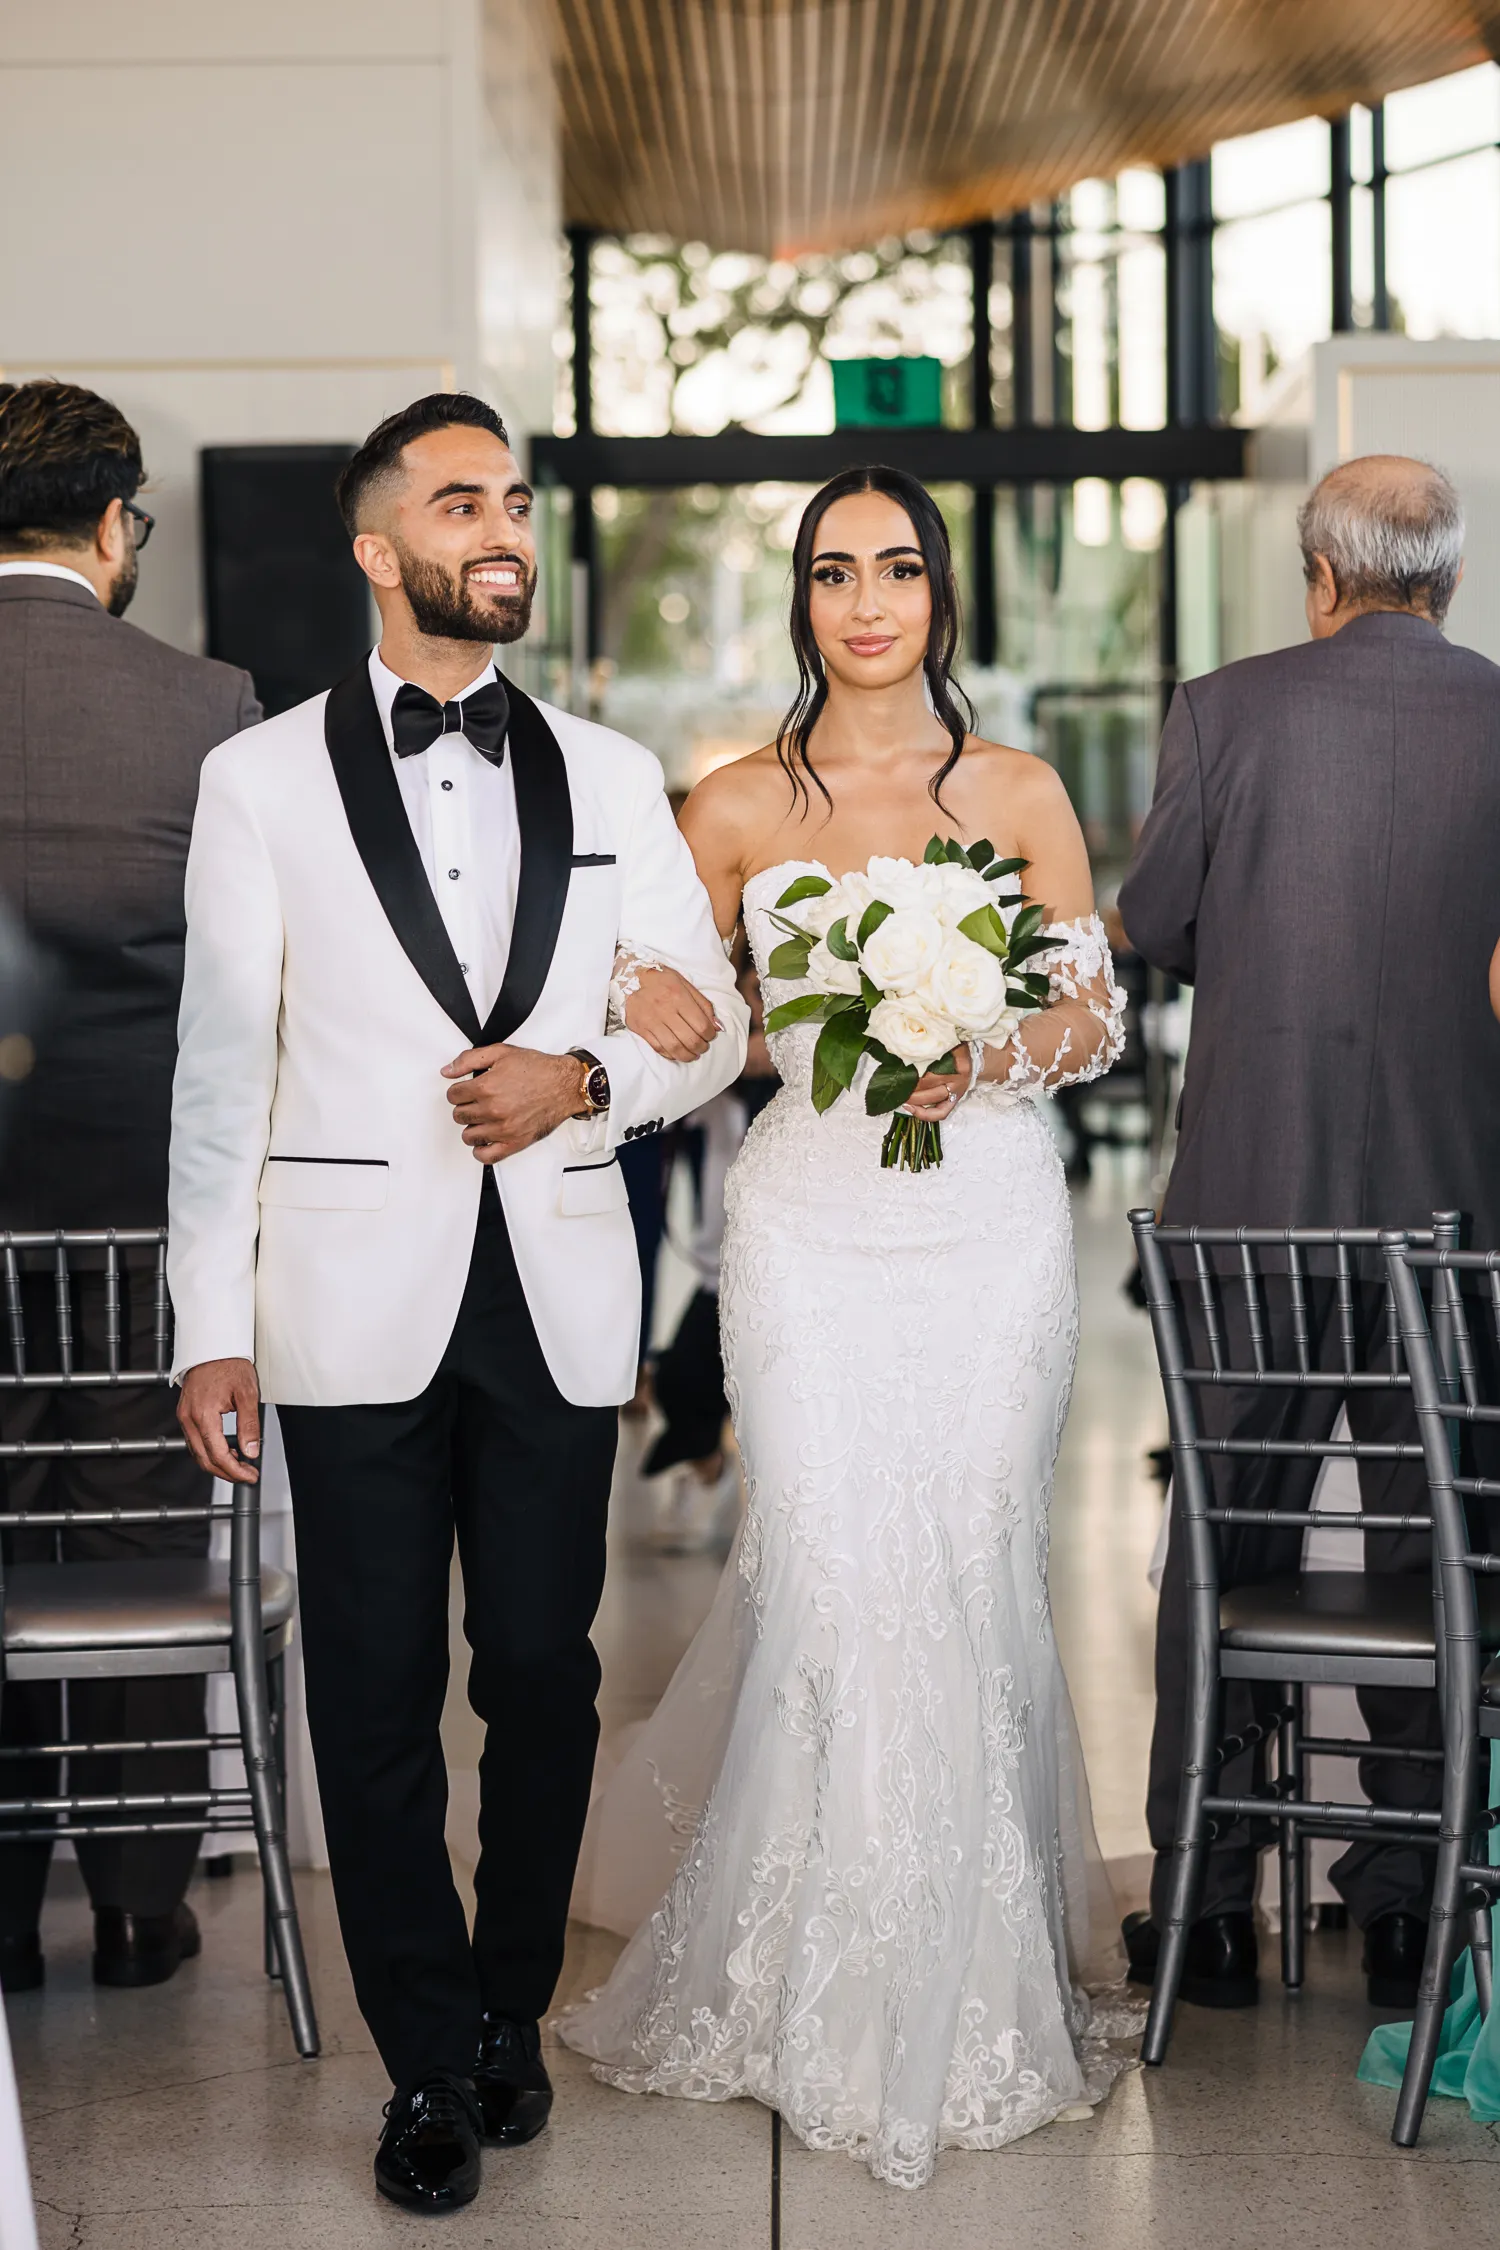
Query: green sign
[[887, 393]]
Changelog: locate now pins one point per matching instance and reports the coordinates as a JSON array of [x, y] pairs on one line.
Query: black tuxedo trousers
[[493, 1453]]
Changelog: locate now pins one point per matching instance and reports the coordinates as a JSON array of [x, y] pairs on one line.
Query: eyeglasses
[[144, 524]]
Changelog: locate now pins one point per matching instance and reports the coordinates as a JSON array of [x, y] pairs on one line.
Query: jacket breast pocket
[[325, 1183], [591, 1189]]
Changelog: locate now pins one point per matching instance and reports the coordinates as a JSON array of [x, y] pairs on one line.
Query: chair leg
[[1187, 1872], [1444, 1930], [270, 1838], [1293, 1843], [276, 1698], [1481, 1947]]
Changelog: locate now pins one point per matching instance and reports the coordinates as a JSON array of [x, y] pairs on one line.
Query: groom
[[396, 1211]]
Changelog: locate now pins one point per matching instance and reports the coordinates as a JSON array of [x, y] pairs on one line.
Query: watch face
[[598, 1087]]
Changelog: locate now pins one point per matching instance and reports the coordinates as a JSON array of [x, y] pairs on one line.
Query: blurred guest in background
[[102, 730], [1320, 865]]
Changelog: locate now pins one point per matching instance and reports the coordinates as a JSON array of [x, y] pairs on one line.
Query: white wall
[[275, 222]]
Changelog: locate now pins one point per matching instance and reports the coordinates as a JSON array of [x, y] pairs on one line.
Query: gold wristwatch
[[593, 1092]]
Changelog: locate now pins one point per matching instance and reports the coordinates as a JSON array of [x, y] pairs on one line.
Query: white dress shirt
[[462, 811], [20, 567]]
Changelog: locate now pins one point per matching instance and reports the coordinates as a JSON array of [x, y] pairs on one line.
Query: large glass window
[[1443, 205], [688, 340], [1273, 259]]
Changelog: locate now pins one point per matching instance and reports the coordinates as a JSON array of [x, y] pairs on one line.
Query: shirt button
[[453, 874], [447, 785], [464, 966]]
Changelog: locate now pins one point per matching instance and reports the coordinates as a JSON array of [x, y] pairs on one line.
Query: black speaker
[[284, 596]]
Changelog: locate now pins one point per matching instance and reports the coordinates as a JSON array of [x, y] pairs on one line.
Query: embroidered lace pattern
[[1080, 1033], [878, 1893], [631, 962]]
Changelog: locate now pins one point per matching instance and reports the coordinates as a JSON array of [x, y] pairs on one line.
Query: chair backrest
[[1439, 1339], [33, 1363], [1322, 1277]]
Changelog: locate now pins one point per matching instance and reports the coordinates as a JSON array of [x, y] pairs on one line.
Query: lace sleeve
[[630, 963], [1081, 1030]]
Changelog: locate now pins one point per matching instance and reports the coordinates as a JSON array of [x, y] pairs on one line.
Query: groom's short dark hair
[[379, 458]]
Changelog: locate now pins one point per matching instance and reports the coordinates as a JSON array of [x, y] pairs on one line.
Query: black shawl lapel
[[382, 835], [544, 812]]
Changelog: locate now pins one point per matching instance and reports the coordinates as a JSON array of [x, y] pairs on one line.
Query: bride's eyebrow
[[883, 554]]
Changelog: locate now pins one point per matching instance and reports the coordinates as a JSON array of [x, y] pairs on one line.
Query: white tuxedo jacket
[[322, 1202]]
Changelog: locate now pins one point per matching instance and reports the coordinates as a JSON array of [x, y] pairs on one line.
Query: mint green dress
[[1468, 2060]]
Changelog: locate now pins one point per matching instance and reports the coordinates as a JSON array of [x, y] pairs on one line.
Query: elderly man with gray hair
[[1322, 864]]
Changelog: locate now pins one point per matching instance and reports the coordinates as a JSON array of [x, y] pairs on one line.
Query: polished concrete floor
[[180, 2117]]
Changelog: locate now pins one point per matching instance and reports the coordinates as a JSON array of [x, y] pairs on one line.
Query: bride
[[856, 1833]]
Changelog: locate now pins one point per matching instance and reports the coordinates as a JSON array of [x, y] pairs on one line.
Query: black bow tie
[[417, 719]]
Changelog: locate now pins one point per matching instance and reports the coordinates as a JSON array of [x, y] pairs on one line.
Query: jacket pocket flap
[[589, 1189], [325, 1183]]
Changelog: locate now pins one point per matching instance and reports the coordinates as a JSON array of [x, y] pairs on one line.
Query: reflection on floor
[[179, 2117]]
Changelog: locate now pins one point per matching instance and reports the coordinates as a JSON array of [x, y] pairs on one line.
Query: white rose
[[828, 973], [912, 1031], [967, 984], [959, 892], [898, 882], [899, 954], [855, 893]]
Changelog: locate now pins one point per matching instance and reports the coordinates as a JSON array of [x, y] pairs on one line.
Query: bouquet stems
[[911, 1144]]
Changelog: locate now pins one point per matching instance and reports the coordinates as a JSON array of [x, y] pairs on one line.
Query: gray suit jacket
[[1322, 864], [102, 732]]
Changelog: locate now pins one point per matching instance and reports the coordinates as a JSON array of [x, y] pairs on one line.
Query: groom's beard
[[445, 609]]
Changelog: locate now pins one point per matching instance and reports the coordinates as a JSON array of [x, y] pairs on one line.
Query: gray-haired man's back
[[1322, 863]]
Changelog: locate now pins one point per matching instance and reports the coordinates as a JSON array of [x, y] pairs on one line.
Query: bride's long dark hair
[[951, 706]]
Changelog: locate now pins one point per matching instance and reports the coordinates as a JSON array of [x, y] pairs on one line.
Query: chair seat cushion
[[1331, 1613], [51, 1608]]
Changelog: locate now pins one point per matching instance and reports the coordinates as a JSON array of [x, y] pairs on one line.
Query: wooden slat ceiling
[[797, 124]]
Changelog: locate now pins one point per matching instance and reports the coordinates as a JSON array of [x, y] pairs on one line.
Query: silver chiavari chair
[[67, 1620], [1218, 1336], [1438, 1337]]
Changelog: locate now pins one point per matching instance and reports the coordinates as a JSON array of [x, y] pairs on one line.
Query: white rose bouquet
[[907, 963]]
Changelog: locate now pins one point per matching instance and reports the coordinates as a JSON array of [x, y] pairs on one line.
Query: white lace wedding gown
[[886, 1893]]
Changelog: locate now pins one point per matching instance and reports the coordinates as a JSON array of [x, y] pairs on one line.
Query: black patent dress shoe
[[1222, 1958], [510, 2078], [134, 1949], [428, 2158], [1394, 1947], [22, 1968]]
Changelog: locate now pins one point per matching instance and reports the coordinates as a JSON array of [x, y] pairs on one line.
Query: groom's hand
[[507, 1097], [211, 1390]]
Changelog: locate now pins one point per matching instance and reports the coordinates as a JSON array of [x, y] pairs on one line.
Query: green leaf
[[936, 852], [946, 1066], [893, 1083], [789, 961], [840, 1045], [1038, 987], [1026, 924], [806, 886], [869, 922], [869, 991], [825, 1087], [838, 941], [955, 853], [982, 853], [1004, 867], [808, 1007], [985, 927]]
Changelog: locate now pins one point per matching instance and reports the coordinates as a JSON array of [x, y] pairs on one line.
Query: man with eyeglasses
[[102, 732]]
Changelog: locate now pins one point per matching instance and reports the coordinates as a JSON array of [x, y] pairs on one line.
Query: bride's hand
[[935, 1096], [671, 1015]]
